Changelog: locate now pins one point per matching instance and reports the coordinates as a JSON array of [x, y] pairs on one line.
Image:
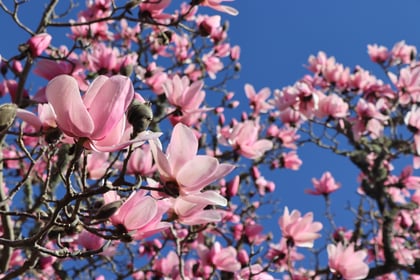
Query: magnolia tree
[[131, 161]]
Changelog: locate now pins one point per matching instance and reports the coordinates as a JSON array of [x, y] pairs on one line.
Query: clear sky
[[276, 39]]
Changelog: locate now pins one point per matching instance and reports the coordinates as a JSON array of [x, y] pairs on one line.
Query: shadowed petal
[[71, 114], [197, 173], [110, 103], [182, 148]]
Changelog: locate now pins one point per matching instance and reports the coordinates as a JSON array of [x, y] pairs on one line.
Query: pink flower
[[291, 160], [190, 209], [408, 84], [38, 43], [181, 169], [213, 65], [346, 262], [412, 120], [140, 215], [258, 100], [244, 139], [141, 162], [184, 96], [324, 186], [222, 258], [378, 54], [99, 116], [403, 53], [299, 231], [333, 106], [101, 109]]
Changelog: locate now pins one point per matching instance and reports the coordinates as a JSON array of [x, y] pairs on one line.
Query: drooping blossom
[[139, 216], [38, 43], [181, 169], [346, 262], [299, 231], [324, 186]]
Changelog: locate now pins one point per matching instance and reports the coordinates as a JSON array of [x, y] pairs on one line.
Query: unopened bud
[[7, 116], [139, 115]]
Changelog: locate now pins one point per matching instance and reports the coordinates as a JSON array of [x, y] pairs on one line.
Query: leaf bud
[[7, 116], [139, 115]]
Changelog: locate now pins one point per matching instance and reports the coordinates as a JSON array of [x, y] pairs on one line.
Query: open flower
[[140, 215], [181, 169], [98, 116], [346, 262], [299, 231], [324, 186]]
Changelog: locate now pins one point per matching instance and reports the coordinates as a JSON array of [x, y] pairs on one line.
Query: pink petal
[[109, 104], [206, 198], [197, 173], [182, 148], [29, 117], [71, 114], [141, 213]]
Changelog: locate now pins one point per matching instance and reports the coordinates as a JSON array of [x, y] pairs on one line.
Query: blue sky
[[276, 39]]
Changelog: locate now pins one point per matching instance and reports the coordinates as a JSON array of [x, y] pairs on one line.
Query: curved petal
[[29, 117], [109, 104], [202, 217], [197, 173], [141, 213], [162, 162], [182, 148], [71, 114], [206, 198]]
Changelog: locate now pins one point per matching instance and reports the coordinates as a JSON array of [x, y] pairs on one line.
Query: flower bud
[[139, 115], [7, 116]]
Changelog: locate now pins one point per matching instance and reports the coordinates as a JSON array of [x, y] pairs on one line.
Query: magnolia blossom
[[181, 169], [333, 106], [346, 262], [222, 258], [301, 231], [98, 117], [244, 138], [140, 215], [258, 101], [38, 43], [324, 186], [378, 54], [412, 120], [403, 53]]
